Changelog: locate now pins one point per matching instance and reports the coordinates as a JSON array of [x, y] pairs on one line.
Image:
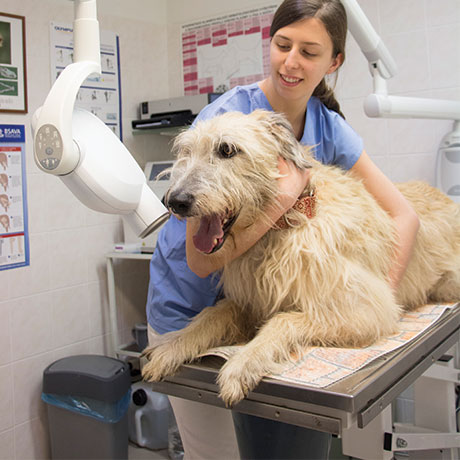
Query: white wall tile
[[98, 241], [31, 325], [398, 16], [38, 215], [34, 278], [354, 78], [6, 399], [443, 12], [101, 345], [5, 284], [62, 210], [410, 51], [5, 333], [7, 445], [67, 255], [70, 315], [410, 136], [79, 348], [32, 440], [98, 309], [374, 131], [444, 55], [414, 167], [27, 387]]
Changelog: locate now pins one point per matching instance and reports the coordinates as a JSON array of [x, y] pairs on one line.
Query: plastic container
[[139, 333], [149, 415], [87, 399]]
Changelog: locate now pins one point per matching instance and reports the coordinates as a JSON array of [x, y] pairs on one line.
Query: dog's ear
[[289, 147]]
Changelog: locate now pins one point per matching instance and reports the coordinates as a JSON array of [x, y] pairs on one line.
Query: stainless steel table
[[357, 406]]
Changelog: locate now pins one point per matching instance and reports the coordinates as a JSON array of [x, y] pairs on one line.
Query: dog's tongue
[[210, 230]]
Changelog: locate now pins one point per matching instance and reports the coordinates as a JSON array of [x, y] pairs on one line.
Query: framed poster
[[13, 75]]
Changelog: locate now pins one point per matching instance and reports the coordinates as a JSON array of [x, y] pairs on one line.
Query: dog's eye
[[227, 150]]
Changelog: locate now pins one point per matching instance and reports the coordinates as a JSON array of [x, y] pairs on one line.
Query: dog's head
[[227, 169]]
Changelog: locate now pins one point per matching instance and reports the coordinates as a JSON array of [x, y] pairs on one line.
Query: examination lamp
[[382, 67], [81, 150], [380, 104]]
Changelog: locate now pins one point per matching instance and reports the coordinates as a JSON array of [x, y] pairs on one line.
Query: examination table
[[358, 408]]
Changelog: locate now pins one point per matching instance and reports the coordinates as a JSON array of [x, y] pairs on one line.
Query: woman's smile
[[290, 80]]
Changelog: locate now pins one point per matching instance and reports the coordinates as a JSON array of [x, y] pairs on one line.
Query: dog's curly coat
[[321, 281]]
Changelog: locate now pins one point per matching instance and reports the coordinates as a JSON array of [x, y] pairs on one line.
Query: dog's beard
[[213, 232]]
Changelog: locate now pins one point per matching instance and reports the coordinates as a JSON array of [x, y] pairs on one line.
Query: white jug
[[149, 414]]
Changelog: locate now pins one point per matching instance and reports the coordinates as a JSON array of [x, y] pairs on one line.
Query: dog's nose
[[180, 203]]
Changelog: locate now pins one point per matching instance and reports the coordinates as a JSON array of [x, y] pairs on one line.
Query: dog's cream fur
[[322, 281]]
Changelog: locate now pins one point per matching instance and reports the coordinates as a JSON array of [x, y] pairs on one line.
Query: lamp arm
[[369, 41]]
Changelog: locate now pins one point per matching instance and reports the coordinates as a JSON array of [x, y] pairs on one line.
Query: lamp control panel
[[48, 147]]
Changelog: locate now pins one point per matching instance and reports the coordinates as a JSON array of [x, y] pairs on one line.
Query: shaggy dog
[[319, 276]]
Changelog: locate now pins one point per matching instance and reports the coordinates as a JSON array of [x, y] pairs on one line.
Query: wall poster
[[100, 95], [223, 52], [14, 233]]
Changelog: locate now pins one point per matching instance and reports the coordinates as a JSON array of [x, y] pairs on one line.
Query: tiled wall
[[423, 36], [58, 306]]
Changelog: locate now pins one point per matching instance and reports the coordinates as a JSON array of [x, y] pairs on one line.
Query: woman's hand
[[291, 185]]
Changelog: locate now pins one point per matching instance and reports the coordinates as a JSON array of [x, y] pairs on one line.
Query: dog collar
[[306, 204]]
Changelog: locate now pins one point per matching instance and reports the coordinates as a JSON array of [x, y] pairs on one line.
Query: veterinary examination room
[[230, 230]]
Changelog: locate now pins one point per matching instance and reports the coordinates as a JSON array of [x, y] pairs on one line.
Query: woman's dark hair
[[332, 14]]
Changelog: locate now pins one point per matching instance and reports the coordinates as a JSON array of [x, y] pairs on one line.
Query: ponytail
[[327, 97]]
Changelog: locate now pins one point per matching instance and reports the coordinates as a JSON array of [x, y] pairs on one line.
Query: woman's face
[[301, 54]]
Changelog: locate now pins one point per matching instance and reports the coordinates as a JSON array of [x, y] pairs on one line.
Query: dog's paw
[[235, 381], [162, 361]]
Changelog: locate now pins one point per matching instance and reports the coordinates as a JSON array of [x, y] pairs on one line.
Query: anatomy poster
[[99, 94], [14, 237], [223, 52]]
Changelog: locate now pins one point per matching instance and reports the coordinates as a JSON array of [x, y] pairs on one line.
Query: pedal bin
[[87, 399]]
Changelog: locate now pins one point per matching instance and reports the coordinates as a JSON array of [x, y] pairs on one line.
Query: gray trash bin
[[87, 398]]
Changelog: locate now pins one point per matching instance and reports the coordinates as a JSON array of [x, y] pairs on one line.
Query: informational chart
[[99, 94], [223, 52], [14, 238]]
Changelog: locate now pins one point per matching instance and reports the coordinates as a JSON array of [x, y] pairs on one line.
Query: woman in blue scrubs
[[307, 44]]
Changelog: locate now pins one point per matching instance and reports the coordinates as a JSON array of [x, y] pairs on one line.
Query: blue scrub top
[[175, 293]]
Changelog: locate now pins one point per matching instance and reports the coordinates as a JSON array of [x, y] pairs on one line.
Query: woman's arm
[[291, 185], [393, 202]]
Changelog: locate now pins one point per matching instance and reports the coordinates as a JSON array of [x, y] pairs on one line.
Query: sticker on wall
[[100, 95], [14, 234], [226, 51]]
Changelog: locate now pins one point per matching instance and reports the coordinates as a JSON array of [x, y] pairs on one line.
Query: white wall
[[58, 306]]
